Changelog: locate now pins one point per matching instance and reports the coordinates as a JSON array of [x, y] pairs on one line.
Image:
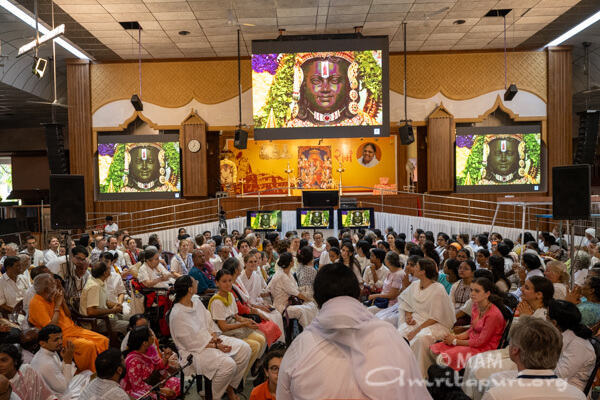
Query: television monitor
[[320, 87], [500, 159], [320, 198], [314, 218], [138, 167], [356, 218], [264, 220]]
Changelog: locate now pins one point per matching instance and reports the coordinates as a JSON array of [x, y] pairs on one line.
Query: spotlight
[[510, 92], [39, 67]]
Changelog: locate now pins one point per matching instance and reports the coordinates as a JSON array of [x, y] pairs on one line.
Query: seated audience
[[153, 352], [535, 347], [496, 265], [426, 312], [224, 311], [590, 309], [375, 273], [152, 273], [306, 271], [110, 370], [537, 292], [58, 375], [461, 290], [49, 307], [182, 262], [390, 289], [556, 271], [283, 285], [530, 266], [94, 299], [25, 381], [132, 253], [485, 333], [222, 359], [349, 346], [482, 259], [29, 343], [115, 289], [206, 285], [331, 241], [267, 390], [348, 258], [143, 372], [13, 285]]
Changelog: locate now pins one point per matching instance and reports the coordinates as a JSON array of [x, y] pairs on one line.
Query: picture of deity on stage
[[314, 168]]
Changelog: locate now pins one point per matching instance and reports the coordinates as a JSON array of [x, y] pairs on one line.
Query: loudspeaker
[[55, 147], [67, 202], [136, 102], [406, 134], [588, 137], [511, 92], [320, 198], [348, 202], [241, 139], [571, 192]]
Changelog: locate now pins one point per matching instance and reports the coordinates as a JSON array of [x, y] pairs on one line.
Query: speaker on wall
[[55, 146], [241, 139], [67, 202], [571, 192], [406, 134], [588, 137]]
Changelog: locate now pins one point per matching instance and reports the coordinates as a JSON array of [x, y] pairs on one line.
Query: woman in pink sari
[[487, 327], [145, 369]]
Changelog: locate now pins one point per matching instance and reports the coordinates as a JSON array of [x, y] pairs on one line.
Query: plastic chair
[[504, 340]]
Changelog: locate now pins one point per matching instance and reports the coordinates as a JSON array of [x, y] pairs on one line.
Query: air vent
[[131, 25], [498, 13]]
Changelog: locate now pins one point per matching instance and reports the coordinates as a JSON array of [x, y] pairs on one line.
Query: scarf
[[344, 322], [227, 301]]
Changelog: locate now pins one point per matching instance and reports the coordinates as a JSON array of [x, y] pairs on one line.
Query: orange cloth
[[88, 344], [261, 392]]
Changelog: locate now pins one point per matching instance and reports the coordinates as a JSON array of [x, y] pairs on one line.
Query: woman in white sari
[[283, 285], [426, 313], [251, 286], [223, 359]]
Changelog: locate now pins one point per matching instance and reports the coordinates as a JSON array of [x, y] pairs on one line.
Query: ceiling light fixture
[[184, 33], [459, 22], [590, 21], [23, 16]]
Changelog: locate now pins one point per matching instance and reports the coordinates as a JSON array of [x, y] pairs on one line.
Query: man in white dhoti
[[426, 312], [361, 356], [222, 359], [58, 375]]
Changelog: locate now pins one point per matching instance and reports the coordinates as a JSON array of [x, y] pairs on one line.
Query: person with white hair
[[590, 235], [11, 250]]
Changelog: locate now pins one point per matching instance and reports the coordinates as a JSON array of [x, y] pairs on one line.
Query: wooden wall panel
[[80, 125], [560, 109], [194, 164], [440, 157]]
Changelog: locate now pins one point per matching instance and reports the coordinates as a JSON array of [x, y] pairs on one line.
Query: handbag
[[238, 333], [381, 303]]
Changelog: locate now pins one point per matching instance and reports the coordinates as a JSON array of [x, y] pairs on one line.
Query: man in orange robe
[[48, 307]]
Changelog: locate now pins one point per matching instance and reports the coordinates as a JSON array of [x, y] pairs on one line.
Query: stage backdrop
[[313, 165]]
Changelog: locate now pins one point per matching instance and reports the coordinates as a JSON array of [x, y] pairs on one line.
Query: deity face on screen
[[317, 218], [503, 159], [326, 85], [265, 221], [357, 218], [144, 166]]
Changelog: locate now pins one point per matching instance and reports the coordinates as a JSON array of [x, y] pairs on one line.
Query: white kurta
[[252, 288], [59, 377], [148, 274], [191, 329], [430, 303], [382, 273], [361, 357]]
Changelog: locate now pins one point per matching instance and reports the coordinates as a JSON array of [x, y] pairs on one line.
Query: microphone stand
[[156, 388]]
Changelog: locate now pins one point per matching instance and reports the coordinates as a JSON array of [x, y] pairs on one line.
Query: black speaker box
[[571, 192], [406, 134], [55, 146], [240, 141], [320, 198], [67, 202], [588, 137]]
